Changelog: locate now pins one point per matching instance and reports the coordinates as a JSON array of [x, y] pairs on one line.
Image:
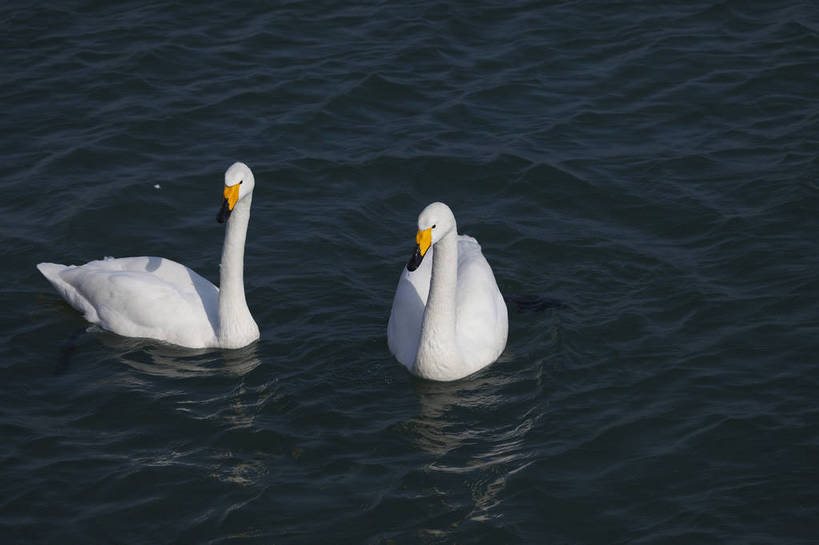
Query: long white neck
[[438, 350], [236, 324]]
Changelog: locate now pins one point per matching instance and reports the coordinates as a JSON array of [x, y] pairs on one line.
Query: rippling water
[[655, 168]]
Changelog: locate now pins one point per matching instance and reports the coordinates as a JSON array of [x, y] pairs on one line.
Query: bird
[[157, 298], [448, 317]]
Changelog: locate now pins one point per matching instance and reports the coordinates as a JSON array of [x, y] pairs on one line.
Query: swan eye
[[433, 227], [240, 182]]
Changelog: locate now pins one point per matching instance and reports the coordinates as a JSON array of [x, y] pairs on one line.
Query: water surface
[[653, 167]]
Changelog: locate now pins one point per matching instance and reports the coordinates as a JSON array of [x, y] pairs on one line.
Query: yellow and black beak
[[423, 240], [231, 196]]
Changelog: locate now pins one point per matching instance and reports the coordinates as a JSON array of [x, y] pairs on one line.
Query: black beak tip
[[415, 260], [224, 212]]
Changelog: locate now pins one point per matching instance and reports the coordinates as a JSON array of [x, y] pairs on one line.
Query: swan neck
[[235, 319], [437, 348]]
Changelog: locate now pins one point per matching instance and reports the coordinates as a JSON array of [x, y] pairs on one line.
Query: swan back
[[141, 297]]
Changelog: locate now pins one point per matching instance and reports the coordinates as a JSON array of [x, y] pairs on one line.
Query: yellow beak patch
[[232, 195], [424, 239]]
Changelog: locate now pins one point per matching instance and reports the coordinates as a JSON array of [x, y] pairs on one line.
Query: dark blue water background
[[653, 166]]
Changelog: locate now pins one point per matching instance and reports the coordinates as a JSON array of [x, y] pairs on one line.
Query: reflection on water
[[246, 472], [165, 360], [438, 427], [229, 408], [452, 426]]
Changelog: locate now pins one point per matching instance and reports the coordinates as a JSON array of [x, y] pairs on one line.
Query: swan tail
[[53, 273], [50, 270]]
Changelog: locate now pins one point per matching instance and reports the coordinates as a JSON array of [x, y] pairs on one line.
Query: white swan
[[448, 317], [160, 299]]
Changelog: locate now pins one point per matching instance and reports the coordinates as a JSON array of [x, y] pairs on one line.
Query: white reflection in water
[[441, 427], [171, 361], [458, 424], [232, 407]]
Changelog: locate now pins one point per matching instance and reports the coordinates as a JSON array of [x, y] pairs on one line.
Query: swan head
[[239, 183], [434, 222]]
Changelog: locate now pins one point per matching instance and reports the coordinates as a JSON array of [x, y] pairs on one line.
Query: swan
[[161, 299], [448, 318]]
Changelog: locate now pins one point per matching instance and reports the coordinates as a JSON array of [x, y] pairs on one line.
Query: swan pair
[[448, 317]]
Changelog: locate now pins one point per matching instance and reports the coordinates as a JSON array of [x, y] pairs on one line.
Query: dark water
[[653, 167]]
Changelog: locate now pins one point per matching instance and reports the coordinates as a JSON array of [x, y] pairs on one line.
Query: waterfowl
[[448, 317], [158, 298]]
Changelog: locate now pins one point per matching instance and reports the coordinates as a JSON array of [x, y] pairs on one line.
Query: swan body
[[161, 299], [448, 317]]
